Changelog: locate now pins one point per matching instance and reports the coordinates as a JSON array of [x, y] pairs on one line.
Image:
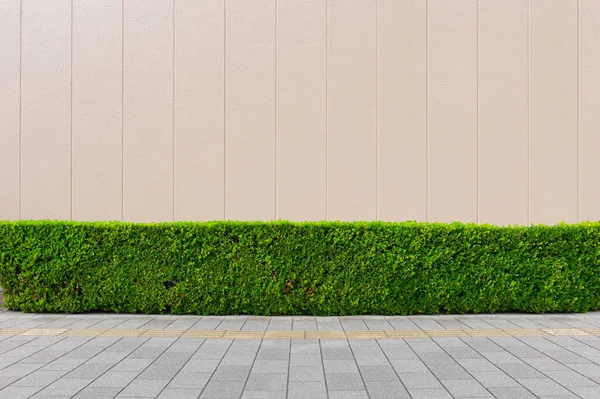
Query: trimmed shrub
[[284, 268]]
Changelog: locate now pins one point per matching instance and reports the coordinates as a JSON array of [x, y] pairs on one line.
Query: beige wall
[[151, 110]]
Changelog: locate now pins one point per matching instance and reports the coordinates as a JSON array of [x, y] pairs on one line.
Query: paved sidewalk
[[140, 356]]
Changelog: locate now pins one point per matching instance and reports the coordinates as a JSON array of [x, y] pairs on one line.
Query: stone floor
[[139, 356]]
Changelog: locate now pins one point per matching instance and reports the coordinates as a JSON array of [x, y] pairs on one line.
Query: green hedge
[[325, 268]]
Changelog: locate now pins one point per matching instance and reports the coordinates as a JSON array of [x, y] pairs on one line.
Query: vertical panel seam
[[377, 113], [20, 108], [173, 113], [326, 109], [578, 133], [122, 110], [528, 112], [477, 119], [427, 110], [276, 105], [71, 116], [225, 109]]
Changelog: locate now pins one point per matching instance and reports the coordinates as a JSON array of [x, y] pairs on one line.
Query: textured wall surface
[[442, 110]]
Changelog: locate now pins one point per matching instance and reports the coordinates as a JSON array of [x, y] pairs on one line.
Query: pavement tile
[[88, 370], [494, 379], [6, 381], [189, 380], [587, 369], [185, 346], [170, 393], [419, 380], [503, 357], [210, 352], [270, 366], [440, 393], [465, 388], [160, 372], [85, 351], [305, 359], [543, 386], [264, 395], [175, 358], [340, 366], [266, 382], [233, 359], [159, 343], [223, 390], [306, 373], [108, 357], [39, 378], [20, 369], [378, 373], [65, 363], [201, 366], [344, 382], [472, 365], [482, 345], [302, 346], [97, 393], [348, 395], [44, 341], [449, 372], [12, 392], [44, 356], [564, 356], [147, 352], [545, 364], [66, 386], [231, 373], [273, 354], [425, 345], [115, 379], [431, 358], [570, 378], [587, 392], [394, 351], [386, 389], [307, 390], [408, 365], [341, 353], [129, 364], [128, 344], [521, 371], [462, 353], [144, 388]]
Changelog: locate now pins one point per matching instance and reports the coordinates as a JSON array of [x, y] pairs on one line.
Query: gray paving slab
[[418, 367]]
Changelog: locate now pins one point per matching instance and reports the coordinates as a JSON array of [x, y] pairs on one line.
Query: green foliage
[[275, 268]]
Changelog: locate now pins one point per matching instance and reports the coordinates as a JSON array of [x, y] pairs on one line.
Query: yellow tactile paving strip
[[302, 334]]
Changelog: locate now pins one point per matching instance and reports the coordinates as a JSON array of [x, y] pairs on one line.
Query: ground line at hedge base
[[300, 334]]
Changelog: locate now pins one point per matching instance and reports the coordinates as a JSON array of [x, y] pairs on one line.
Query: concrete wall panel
[[352, 111], [440, 110], [148, 111], [553, 111], [301, 109], [452, 110], [199, 112], [503, 112], [97, 110], [10, 98], [402, 105], [46, 109], [250, 110], [589, 110]]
